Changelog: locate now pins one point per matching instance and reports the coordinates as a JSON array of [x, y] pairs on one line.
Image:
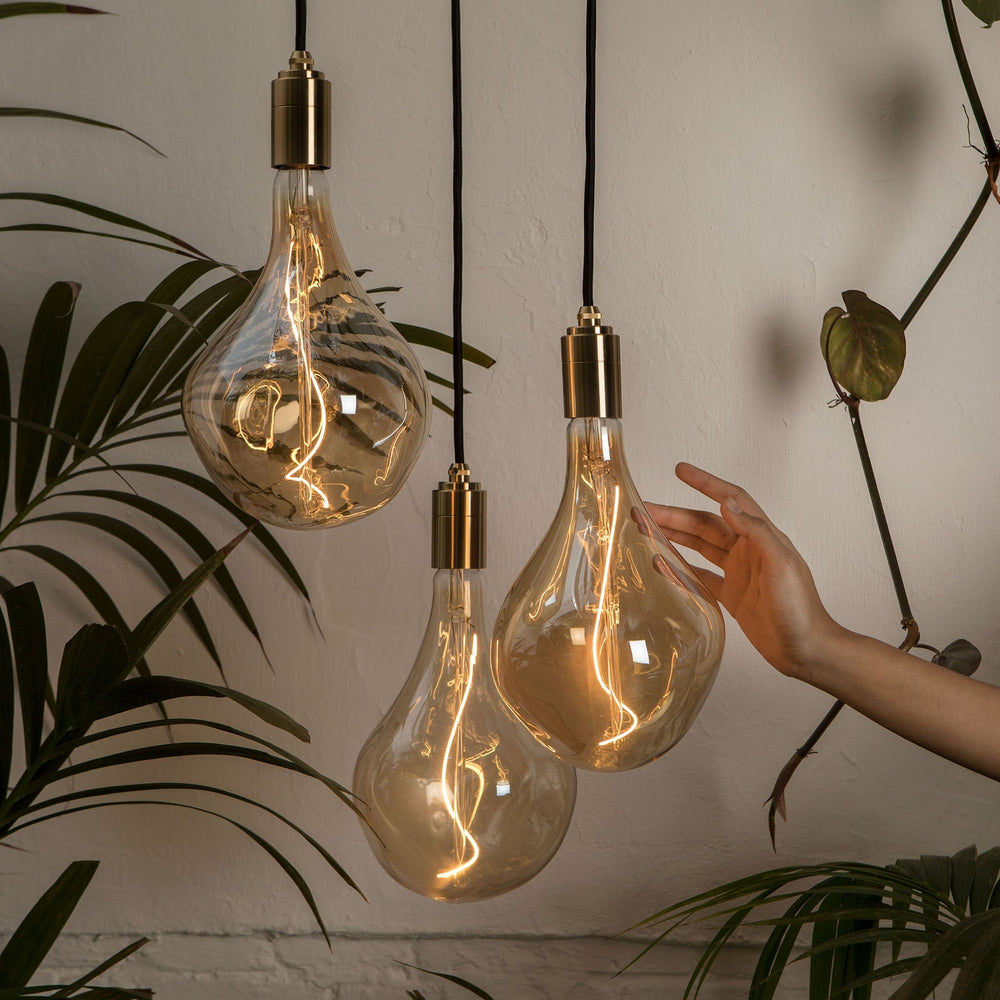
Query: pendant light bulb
[[607, 644], [463, 804], [308, 408]]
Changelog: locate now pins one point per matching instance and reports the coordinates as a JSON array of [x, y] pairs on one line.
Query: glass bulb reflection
[[607, 644], [308, 408], [463, 803]]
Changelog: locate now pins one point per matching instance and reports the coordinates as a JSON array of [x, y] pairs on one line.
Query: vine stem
[[978, 111], [956, 244], [854, 409]]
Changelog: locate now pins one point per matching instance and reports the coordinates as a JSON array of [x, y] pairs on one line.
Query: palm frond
[[78, 119], [95, 684], [464, 983], [860, 917]]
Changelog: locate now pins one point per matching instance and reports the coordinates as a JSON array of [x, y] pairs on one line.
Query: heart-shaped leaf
[[864, 347], [987, 11], [960, 656]]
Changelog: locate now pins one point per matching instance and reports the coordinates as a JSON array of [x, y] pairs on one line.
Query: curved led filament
[[310, 391], [622, 708], [447, 794]]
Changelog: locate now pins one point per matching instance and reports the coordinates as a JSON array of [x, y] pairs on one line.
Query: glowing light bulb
[[463, 803], [607, 644], [308, 408]]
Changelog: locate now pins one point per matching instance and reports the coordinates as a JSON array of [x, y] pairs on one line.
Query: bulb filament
[[602, 614], [449, 798], [298, 289]]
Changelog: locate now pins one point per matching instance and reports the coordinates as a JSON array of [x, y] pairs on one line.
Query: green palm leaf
[[195, 539], [94, 684], [69, 745], [103, 214], [289, 869], [63, 116], [6, 707], [118, 956], [182, 786], [207, 488], [37, 932], [140, 692], [151, 553], [20, 9], [947, 905], [5, 408], [27, 633], [43, 365], [50, 227], [126, 377], [464, 983]]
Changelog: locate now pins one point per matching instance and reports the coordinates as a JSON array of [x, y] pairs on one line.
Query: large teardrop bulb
[[463, 804], [308, 408], [607, 643]]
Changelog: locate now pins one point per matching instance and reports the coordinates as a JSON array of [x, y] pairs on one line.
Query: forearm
[[954, 716]]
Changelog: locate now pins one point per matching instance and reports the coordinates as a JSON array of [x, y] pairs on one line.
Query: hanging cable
[[456, 193], [300, 25], [590, 128]]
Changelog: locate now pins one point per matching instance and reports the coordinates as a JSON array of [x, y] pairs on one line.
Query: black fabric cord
[[300, 25], [456, 193], [590, 127]]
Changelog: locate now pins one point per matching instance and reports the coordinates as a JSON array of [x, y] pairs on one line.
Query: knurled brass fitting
[[458, 522], [301, 98], [591, 367]]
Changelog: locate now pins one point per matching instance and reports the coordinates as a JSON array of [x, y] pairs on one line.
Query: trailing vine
[[864, 347]]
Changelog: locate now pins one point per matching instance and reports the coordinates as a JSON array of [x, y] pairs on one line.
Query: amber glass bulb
[[463, 803], [308, 409], [607, 644]]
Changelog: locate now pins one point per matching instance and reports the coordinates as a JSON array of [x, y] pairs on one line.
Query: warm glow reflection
[[255, 414], [602, 614]]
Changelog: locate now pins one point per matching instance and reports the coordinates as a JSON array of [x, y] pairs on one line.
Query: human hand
[[765, 584]]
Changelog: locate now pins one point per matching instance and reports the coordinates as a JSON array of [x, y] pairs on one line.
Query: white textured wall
[[755, 159]]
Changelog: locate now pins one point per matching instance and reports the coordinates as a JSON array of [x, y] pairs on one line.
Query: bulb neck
[[301, 217], [591, 368], [301, 98], [595, 443], [458, 522], [458, 596]]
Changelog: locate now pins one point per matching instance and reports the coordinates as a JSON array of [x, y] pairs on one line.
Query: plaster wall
[[754, 160]]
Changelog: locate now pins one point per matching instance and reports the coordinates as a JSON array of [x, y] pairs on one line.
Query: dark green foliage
[[20, 9], [457, 980], [988, 11], [944, 911]]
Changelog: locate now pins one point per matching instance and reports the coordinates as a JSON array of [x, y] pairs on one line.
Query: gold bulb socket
[[591, 368], [301, 98], [458, 522]]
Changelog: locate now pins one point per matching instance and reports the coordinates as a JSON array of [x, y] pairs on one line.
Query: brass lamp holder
[[591, 368], [301, 98], [458, 536]]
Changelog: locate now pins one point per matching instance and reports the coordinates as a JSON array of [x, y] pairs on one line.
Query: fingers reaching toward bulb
[[717, 489]]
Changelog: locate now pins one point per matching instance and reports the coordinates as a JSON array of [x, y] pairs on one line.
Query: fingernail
[[733, 506]]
